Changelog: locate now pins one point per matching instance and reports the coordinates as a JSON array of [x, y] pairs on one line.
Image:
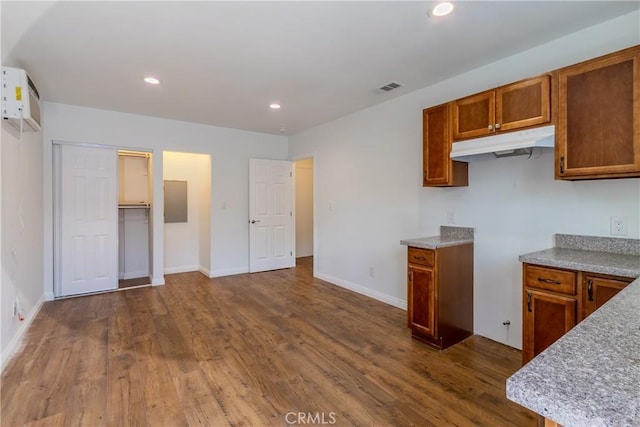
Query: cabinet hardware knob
[[590, 289], [497, 125], [529, 302], [550, 281], [490, 127], [420, 258], [562, 165]]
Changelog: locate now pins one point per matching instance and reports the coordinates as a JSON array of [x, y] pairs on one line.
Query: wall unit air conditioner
[[20, 99]]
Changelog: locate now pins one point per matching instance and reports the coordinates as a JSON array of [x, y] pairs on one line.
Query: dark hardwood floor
[[130, 283], [248, 350]]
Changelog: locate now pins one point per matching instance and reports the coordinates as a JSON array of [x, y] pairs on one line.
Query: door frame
[[303, 156], [56, 217]]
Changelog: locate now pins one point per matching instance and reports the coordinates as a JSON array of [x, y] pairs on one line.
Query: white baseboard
[[371, 293], [157, 281], [181, 269], [304, 254], [49, 296], [204, 270], [16, 343], [228, 272]]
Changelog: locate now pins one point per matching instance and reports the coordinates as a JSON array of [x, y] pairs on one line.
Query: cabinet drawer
[[551, 279], [421, 256]]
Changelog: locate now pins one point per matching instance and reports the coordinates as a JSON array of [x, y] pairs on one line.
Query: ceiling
[[223, 63]]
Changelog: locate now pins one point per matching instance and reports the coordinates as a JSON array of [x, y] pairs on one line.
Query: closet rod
[[136, 206]]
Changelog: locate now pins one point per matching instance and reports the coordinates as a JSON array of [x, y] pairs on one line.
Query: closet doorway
[[135, 186], [101, 199], [187, 212]]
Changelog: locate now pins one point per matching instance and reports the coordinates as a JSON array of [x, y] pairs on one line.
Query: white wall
[[230, 151], [22, 235], [369, 194], [182, 239], [304, 207], [133, 243]]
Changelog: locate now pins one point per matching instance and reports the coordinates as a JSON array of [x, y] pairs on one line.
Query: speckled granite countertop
[[590, 261], [449, 236], [590, 376]]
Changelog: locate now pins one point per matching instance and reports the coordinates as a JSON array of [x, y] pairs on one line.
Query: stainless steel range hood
[[506, 144]]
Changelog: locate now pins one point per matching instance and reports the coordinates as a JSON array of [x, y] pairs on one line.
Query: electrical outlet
[[618, 225]]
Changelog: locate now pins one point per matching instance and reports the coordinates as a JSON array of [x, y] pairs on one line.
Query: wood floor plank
[[248, 350], [125, 391], [55, 420]]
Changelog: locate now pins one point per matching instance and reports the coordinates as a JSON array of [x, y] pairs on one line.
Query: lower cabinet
[[440, 294], [547, 317], [599, 289], [555, 300]]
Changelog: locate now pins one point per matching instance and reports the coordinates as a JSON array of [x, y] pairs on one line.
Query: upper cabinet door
[[436, 145], [598, 132], [474, 115], [438, 168], [523, 104]]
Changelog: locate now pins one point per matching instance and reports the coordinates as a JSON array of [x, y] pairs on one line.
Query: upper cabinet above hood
[[505, 144]]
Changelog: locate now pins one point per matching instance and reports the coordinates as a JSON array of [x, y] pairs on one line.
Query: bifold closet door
[[88, 201]]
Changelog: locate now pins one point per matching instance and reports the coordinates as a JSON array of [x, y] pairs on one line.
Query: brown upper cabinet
[[598, 130], [518, 105], [438, 168]]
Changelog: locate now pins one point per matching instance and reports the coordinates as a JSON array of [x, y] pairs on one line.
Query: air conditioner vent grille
[[388, 87]]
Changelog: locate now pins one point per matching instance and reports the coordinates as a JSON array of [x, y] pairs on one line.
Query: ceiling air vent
[[387, 88]]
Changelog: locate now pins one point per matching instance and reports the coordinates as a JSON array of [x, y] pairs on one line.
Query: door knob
[[253, 221]]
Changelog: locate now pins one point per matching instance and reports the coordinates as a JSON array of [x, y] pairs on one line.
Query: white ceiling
[[223, 63]]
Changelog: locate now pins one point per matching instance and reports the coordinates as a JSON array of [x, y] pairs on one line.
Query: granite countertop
[[590, 376], [449, 236], [586, 260]]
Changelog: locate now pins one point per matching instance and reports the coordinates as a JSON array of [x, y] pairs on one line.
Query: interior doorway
[[187, 212], [304, 169]]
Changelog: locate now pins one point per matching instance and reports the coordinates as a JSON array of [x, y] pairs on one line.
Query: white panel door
[[270, 215], [88, 220]]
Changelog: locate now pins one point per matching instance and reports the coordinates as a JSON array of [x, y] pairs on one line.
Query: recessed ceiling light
[[442, 9], [283, 129], [152, 80], [274, 106]]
